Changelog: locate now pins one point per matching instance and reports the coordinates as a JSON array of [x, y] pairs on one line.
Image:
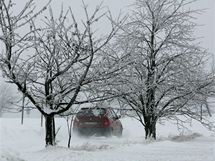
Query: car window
[[91, 112], [98, 111]]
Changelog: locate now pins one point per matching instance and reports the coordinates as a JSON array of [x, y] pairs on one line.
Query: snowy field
[[26, 143]]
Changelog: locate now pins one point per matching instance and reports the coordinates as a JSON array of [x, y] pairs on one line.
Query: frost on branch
[[165, 74], [53, 64]]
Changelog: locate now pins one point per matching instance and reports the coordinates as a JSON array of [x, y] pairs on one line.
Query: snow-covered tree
[[53, 63], [165, 75]]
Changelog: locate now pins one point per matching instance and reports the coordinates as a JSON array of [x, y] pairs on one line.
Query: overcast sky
[[207, 19]]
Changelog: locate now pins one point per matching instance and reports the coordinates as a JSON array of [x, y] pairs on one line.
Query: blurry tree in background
[[165, 76], [7, 99], [54, 63]]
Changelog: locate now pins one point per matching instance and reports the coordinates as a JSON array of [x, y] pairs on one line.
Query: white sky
[[207, 19]]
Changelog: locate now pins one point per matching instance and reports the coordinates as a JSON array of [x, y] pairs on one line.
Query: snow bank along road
[[26, 143]]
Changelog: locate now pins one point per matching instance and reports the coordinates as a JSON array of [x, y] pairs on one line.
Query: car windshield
[[91, 112]]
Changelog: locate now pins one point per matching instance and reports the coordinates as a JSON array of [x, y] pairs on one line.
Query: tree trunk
[[69, 127], [23, 109], [41, 120], [50, 130], [150, 130]]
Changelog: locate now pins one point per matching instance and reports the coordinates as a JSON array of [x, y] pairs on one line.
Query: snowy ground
[[26, 143]]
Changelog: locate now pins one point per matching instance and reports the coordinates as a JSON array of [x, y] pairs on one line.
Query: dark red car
[[97, 121]]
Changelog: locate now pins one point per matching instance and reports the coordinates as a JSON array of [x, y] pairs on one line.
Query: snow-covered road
[[26, 143]]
